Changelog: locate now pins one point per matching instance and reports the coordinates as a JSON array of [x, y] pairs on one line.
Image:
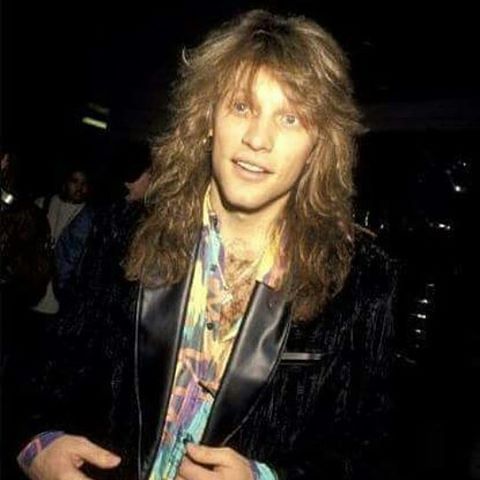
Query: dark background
[[415, 70], [414, 65]]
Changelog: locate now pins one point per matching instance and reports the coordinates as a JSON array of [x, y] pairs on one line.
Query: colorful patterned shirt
[[213, 319]]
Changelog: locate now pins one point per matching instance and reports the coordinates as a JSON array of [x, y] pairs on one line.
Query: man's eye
[[290, 119], [240, 107]]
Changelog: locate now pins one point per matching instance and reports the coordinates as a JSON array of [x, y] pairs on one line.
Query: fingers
[[98, 456], [191, 471], [63, 458], [210, 455]]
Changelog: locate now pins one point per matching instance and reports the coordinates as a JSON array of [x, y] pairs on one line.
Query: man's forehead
[[249, 82]]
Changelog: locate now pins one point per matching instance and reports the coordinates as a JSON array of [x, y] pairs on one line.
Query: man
[[251, 337], [70, 220]]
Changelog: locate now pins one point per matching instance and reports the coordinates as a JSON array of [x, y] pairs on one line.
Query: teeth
[[250, 167]]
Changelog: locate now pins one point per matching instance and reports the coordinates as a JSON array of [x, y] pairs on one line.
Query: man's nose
[[259, 134]]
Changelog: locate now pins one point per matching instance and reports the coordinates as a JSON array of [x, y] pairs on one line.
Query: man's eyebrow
[[236, 94], [291, 106], [241, 91]]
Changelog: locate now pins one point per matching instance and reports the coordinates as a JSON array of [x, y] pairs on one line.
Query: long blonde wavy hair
[[319, 229]]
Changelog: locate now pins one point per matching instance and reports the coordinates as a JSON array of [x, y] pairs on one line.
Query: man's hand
[[62, 459], [207, 463]]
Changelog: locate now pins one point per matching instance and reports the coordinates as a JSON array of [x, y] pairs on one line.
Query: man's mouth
[[250, 167]]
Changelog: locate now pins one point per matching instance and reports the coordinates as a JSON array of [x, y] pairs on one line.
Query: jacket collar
[[160, 318], [254, 356]]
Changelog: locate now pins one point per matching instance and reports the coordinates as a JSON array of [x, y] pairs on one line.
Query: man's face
[[260, 147], [76, 188]]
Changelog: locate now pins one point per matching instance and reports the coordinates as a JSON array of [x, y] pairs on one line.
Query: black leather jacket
[[308, 399]]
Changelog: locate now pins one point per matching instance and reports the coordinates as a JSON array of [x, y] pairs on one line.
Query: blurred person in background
[[70, 217]]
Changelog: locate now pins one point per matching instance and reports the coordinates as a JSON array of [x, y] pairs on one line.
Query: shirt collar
[[273, 264]]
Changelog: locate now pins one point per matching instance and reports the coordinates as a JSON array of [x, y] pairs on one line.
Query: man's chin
[[249, 207]]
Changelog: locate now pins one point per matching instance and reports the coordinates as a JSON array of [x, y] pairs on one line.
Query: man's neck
[[245, 232]]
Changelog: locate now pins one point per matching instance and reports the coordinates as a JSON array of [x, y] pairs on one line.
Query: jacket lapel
[[160, 317], [253, 360]]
